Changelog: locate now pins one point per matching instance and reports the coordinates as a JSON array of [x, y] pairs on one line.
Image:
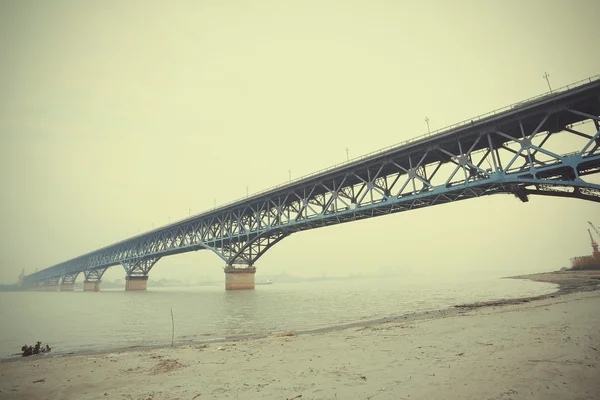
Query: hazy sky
[[118, 115]]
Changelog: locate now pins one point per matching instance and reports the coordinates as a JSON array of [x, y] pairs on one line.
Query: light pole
[[546, 76], [247, 193], [290, 174], [347, 156], [427, 122], [215, 203], [189, 212]]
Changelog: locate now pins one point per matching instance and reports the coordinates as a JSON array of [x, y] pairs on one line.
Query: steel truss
[[69, 279], [50, 281], [94, 275], [139, 266], [513, 153]]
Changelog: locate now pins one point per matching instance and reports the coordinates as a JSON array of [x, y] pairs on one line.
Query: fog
[[117, 117]]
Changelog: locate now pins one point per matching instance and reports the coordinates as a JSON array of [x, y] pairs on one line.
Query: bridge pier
[[93, 277], [67, 282], [48, 285], [137, 272], [91, 286], [136, 282], [67, 287], [239, 278]]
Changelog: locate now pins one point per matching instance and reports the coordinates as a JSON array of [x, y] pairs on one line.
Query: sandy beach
[[542, 348]]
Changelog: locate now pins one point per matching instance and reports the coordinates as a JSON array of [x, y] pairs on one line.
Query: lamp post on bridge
[[546, 76], [290, 174], [427, 122], [347, 156]]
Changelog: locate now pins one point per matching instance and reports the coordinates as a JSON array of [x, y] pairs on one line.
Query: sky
[[119, 116]]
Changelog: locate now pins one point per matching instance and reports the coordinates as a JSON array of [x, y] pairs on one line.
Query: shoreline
[[568, 282]]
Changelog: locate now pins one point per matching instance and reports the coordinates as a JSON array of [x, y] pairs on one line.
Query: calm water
[[109, 319]]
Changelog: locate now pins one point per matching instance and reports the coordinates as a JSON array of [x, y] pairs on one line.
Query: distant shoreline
[[567, 281]]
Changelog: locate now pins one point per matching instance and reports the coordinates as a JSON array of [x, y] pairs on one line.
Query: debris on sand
[[168, 365], [37, 349]]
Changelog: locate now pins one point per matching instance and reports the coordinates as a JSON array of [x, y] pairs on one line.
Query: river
[[87, 321]]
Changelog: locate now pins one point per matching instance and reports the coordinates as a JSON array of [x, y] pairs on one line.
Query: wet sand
[[547, 347]]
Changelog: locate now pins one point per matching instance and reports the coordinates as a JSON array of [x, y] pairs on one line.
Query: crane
[[594, 228], [595, 251]]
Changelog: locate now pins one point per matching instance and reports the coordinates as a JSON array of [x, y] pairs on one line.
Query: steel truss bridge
[[518, 150]]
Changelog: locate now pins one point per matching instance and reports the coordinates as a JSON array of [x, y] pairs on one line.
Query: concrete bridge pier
[[239, 278], [91, 286], [136, 282], [93, 277], [67, 283], [67, 287], [137, 273], [48, 285]]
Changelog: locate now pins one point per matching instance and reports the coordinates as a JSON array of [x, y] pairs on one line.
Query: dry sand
[[543, 349]]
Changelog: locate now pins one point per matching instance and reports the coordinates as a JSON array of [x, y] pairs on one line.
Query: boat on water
[[267, 282]]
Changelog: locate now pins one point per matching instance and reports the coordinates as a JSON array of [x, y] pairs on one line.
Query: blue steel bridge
[[544, 146]]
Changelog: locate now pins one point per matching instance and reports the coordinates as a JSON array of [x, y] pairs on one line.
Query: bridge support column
[[67, 282], [239, 278], [91, 286], [93, 277], [67, 287], [137, 272], [49, 285], [136, 282]]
